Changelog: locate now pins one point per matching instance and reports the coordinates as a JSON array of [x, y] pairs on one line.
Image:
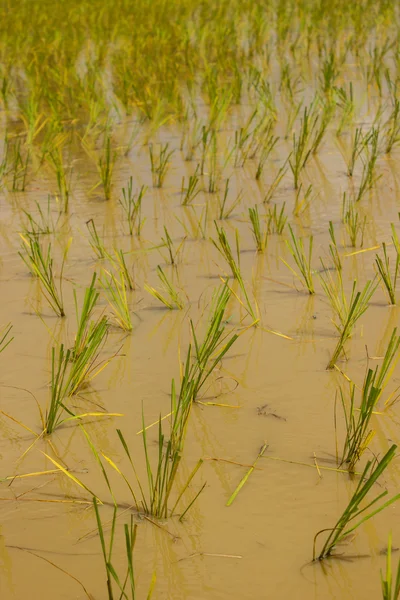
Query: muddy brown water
[[276, 385]]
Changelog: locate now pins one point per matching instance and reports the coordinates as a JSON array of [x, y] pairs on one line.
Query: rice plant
[[345, 103], [277, 219], [40, 264], [63, 178], [268, 144], [19, 167], [5, 338], [224, 211], [359, 141], [260, 234], [95, 240], [354, 225], [189, 193], [349, 312], [345, 525], [392, 127], [170, 296], [132, 205], [58, 388], [124, 582], [390, 591], [302, 260], [301, 145], [173, 251], [274, 185], [41, 224], [83, 319], [357, 419], [224, 248], [387, 278], [115, 291], [159, 163]]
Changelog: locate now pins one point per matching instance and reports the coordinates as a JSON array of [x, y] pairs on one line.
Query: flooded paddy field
[[199, 255]]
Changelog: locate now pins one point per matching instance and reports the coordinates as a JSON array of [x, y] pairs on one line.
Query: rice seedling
[[390, 592], [189, 193], [345, 524], [359, 141], [119, 263], [63, 179], [173, 252], [42, 224], [321, 125], [160, 163], [357, 420], [301, 145], [367, 182], [83, 319], [268, 144], [354, 226], [170, 296], [349, 312], [388, 279], [58, 386], [224, 211], [132, 205], [277, 219], [302, 260], [5, 338], [260, 235], [345, 103], [302, 201], [115, 291], [274, 185], [392, 127], [329, 73], [224, 248], [95, 240], [19, 167], [125, 584], [40, 264]]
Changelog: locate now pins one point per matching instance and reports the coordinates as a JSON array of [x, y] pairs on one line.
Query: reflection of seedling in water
[[388, 279], [40, 265], [95, 240], [260, 235], [106, 167], [302, 260], [159, 163], [128, 582], [132, 206], [345, 526], [170, 298]]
